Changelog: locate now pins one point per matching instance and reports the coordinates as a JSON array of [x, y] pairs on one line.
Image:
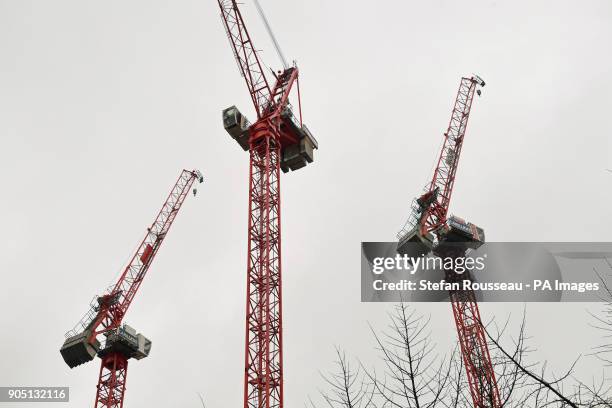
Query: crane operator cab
[[293, 156]]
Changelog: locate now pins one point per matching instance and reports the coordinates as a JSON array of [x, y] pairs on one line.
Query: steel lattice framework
[[475, 351], [122, 294], [275, 129], [107, 311], [113, 370], [263, 386], [430, 216], [443, 178], [246, 54], [111, 381]]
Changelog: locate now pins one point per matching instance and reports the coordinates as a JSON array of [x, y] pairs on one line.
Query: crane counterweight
[[79, 349]]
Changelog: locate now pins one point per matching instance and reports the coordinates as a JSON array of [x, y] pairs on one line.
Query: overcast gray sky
[[102, 103]]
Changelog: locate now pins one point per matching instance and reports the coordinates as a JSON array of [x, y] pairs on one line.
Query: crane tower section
[[431, 230], [277, 141]]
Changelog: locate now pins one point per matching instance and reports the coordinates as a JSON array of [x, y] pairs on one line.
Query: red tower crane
[[430, 229], [276, 141], [107, 311]]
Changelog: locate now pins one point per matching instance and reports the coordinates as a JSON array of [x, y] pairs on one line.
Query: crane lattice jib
[[113, 305], [245, 54], [443, 180]]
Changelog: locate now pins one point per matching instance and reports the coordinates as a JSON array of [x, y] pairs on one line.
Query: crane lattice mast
[[106, 312], [276, 141], [429, 228]]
